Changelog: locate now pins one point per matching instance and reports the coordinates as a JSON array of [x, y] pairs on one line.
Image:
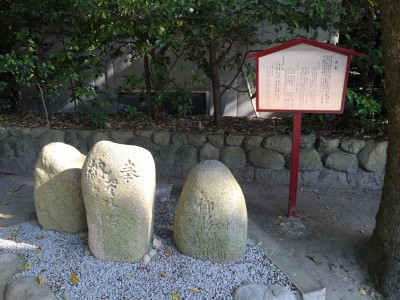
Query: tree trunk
[[215, 82], [383, 249], [148, 84]]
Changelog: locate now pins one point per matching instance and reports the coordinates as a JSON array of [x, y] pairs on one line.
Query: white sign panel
[[303, 78]]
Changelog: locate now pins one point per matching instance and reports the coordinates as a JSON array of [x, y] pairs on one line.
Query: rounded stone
[[263, 292], [51, 136], [211, 217], [143, 142], [10, 264], [161, 138], [307, 141], [233, 157], [373, 156], [216, 139], [186, 154], [282, 144], [28, 288], [352, 145], [57, 193], [341, 161], [234, 140], [327, 145], [179, 138], [252, 142], [197, 140], [118, 188], [266, 159], [25, 147], [309, 160], [97, 137], [208, 151]]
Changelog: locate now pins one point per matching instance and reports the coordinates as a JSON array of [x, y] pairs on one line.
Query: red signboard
[[301, 76]]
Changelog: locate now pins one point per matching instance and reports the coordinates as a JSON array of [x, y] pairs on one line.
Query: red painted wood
[[307, 41], [294, 166]]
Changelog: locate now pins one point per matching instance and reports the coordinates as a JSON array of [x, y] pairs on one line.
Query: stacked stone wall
[[324, 161]]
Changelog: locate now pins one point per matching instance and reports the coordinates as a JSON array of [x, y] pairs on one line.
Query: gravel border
[[56, 256]]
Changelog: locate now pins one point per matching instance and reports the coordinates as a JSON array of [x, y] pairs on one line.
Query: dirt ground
[[322, 239]]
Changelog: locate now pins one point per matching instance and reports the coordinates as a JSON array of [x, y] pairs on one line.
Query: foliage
[[54, 45], [360, 30], [131, 112]]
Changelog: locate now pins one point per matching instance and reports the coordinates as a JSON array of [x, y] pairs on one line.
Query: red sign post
[[301, 76]]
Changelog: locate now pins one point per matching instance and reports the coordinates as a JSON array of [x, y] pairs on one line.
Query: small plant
[[359, 105], [131, 112], [185, 108], [98, 119]]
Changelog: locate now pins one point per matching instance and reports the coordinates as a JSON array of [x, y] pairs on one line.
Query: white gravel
[[167, 275]]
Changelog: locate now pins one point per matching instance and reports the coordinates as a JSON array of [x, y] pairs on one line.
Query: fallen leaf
[[327, 207], [312, 258], [10, 237], [6, 203], [40, 237], [26, 267], [38, 250], [167, 251], [129, 275], [162, 274], [363, 292], [195, 290], [74, 278], [175, 296], [9, 191], [41, 280]]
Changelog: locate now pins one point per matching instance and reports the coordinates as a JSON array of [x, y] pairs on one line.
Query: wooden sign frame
[[301, 76]]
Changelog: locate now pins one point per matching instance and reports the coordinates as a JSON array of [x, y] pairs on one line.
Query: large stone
[[143, 142], [25, 147], [118, 188], [373, 156], [211, 217], [352, 145], [7, 147], [342, 161], [252, 142], [307, 141], [326, 145], [4, 133], [282, 144], [208, 151], [51, 136], [233, 157], [263, 292], [234, 140], [309, 160], [121, 136], [186, 154], [179, 138], [168, 153], [58, 199], [216, 139], [161, 138], [28, 288], [196, 140], [38, 131], [97, 137], [266, 159], [10, 264]]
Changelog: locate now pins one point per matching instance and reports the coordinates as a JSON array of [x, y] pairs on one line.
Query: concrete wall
[[262, 159]]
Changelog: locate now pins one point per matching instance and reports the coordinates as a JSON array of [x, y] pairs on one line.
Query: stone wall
[[323, 161]]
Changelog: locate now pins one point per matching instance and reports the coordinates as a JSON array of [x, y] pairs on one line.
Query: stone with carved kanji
[[118, 188], [211, 217]]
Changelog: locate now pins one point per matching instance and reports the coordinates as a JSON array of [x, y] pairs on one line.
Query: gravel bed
[[56, 256]]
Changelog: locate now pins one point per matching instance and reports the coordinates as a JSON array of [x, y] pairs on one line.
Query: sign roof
[[307, 41]]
